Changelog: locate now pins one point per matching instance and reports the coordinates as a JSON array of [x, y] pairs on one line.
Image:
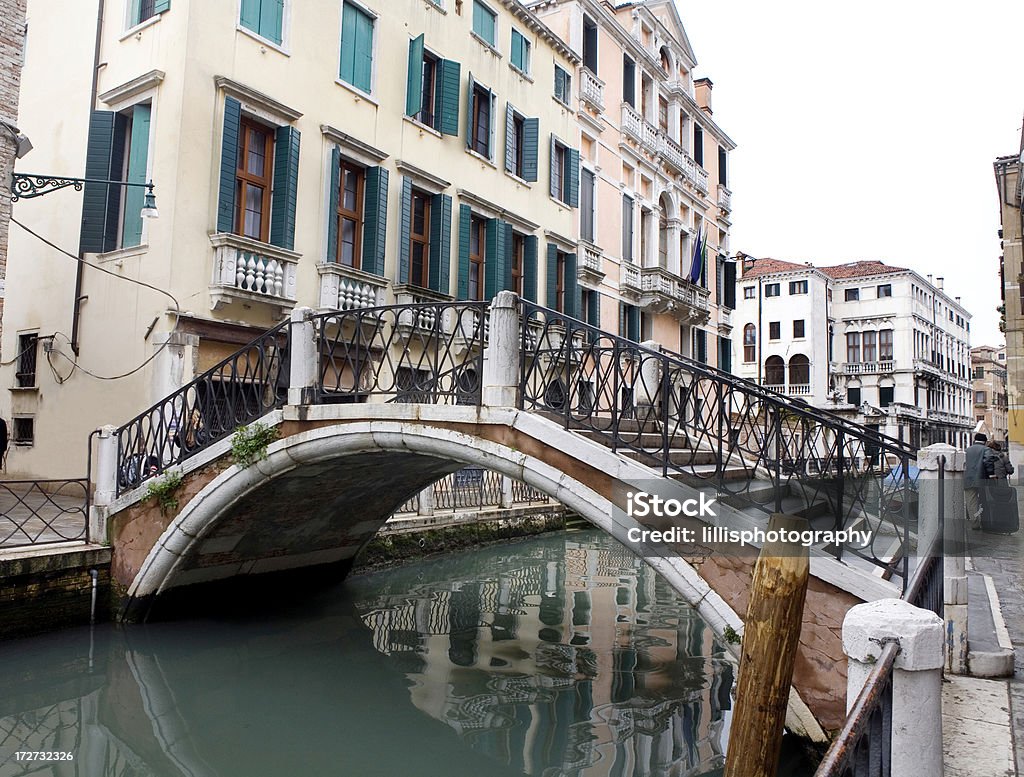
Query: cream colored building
[[988, 374], [1010, 186], [334, 154], [654, 177]]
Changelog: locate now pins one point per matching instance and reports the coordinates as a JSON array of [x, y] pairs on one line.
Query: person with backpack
[[980, 466], [1002, 468]]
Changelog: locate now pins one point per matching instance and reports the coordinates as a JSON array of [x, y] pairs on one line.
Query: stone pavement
[[976, 732]]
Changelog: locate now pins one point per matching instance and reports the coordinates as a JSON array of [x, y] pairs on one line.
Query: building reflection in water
[[565, 657]]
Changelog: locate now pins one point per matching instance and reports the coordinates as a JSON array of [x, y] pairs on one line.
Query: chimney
[[957, 300], [702, 87], [929, 277], [940, 282]]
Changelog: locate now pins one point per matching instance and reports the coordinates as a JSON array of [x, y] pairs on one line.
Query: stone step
[[650, 440], [678, 456]]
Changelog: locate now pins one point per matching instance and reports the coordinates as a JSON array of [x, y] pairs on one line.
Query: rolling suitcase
[[1000, 515]]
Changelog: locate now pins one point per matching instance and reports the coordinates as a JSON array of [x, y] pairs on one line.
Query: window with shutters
[[477, 241], [255, 165], [352, 179], [432, 89], [520, 53], [484, 23], [700, 345], [565, 173], [516, 269], [563, 85], [698, 144], [590, 45], [419, 239], [774, 330], [356, 47], [588, 204], [628, 81], [749, 292], [627, 228], [723, 166], [481, 120], [771, 290], [663, 114], [140, 11], [516, 144], [629, 322], [798, 328], [560, 282], [797, 287], [264, 18]]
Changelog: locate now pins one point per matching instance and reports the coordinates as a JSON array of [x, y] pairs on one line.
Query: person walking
[[980, 465], [1002, 468]]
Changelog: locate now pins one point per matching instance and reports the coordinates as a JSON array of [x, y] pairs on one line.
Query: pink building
[[654, 198]]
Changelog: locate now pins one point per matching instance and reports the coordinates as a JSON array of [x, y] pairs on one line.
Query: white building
[[879, 344]]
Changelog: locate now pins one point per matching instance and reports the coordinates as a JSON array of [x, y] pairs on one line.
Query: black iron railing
[[755, 447], [236, 391], [35, 512], [469, 487], [426, 352]]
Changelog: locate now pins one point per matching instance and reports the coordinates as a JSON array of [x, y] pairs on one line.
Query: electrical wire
[[72, 360]]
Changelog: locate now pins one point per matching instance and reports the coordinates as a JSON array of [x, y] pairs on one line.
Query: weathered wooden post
[[770, 636]]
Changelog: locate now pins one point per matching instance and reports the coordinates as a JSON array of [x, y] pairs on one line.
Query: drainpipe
[[80, 272]]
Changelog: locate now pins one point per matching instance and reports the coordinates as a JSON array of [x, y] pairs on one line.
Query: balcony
[[791, 390], [590, 268], [724, 198], [925, 366], [724, 319], [700, 179], [632, 123], [592, 89], [664, 292], [344, 288], [629, 281], [248, 271], [868, 368]]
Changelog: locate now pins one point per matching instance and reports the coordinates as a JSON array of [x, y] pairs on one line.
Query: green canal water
[[557, 655]]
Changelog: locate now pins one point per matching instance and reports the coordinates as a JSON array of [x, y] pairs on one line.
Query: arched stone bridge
[[373, 406]]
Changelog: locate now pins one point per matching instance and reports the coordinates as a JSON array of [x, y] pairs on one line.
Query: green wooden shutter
[[572, 177], [553, 187], [94, 236], [138, 152], [449, 74], [271, 19], [347, 69], [356, 48], [375, 219], [404, 231], [531, 135], [552, 276], [470, 107], [465, 225], [414, 78], [440, 243], [573, 292], [162, 6], [229, 165], [633, 323], [495, 257], [250, 16], [286, 185], [530, 268], [510, 130], [594, 309], [332, 205], [507, 276]]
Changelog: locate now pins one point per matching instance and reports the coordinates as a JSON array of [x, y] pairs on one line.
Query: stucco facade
[[883, 345], [659, 164], [236, 246], [988, 375]]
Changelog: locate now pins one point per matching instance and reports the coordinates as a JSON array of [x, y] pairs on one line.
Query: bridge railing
[[425, 352], [755, 447], [236, 391]]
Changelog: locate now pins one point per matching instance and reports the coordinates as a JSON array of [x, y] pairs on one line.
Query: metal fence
[[236, 391], [475, 487], [423, 352], [757, 448], [33, 512]]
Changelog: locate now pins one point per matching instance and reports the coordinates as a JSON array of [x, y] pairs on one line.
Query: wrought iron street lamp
[[25, 186]]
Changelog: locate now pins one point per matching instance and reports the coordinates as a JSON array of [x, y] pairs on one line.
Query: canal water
[[557, 655]]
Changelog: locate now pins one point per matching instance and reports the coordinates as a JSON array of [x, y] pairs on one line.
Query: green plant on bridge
[[731, 636], [164, 490], [249, 443]]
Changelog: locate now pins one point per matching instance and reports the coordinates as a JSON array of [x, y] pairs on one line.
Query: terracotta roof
[[768, 266], [860, 269]]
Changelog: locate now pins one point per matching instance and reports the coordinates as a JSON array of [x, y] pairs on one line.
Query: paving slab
[[976, 731]]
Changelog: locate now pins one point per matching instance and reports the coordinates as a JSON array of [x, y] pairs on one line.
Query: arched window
[[749, 343], [799, 370], [774, 371], [666, 63]]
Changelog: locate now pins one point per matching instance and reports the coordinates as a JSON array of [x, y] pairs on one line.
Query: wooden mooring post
[[770, 636]]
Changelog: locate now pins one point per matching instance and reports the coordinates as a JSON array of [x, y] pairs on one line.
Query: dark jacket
[[980, 464], [1002, 468]]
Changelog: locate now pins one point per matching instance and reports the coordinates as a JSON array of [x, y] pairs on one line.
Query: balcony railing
[[592, 89], [629, 279], [343, 288], [632, 123], [665, 292], [590, 265], [792, 389], [868, 368], [701, 179], [250, 271], [724, 198]]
